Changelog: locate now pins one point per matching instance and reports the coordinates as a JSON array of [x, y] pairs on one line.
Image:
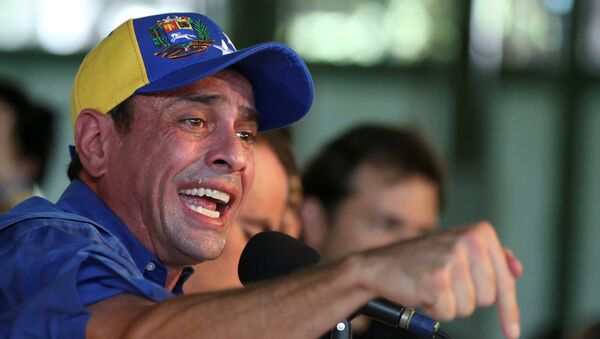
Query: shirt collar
[[79, 199]]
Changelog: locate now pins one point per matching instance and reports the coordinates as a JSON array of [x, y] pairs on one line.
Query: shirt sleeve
[[52, 269]]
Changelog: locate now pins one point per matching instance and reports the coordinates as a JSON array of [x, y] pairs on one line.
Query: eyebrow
[[394, 220], [215, 99]]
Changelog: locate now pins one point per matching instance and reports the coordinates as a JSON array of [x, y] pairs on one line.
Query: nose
[[228, 153]]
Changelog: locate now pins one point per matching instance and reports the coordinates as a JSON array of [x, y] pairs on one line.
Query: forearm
[[304, 305], [448, 275]]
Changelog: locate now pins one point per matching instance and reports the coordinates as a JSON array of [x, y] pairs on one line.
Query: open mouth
[[208, 202]]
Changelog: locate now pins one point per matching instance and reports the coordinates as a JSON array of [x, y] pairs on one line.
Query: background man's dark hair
[[34, 128], [122, 116], [328, 176]]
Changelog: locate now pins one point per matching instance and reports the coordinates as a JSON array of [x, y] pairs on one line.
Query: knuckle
[[473, 238], [485, 224], [440, 280], [474, 241], [486, 298], [488, 229], [427, 301], [467, 309], [445, 312]]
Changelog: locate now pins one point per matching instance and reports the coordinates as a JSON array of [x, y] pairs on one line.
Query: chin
[[209, 249]]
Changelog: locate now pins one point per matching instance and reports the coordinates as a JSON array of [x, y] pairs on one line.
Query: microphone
[[273, 254]]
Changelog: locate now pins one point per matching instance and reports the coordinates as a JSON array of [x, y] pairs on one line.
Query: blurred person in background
[[591, 332], [370, 187], [26, 139], [292, 223], [272, 203]]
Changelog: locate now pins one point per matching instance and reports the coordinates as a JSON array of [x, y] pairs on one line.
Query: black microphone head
[[273, 254]]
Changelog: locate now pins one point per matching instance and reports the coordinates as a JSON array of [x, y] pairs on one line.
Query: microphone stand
[[342, 330]]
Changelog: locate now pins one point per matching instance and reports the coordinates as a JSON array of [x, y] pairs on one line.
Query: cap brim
[[282, 85]]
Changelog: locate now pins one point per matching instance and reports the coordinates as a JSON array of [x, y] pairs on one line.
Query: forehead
[[227, 79], [370, 178]]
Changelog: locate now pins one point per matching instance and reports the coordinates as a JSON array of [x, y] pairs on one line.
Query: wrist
[[355, 269]]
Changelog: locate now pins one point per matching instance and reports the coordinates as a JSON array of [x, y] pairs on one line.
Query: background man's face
[[263, 210], [179, 176], [382, 208], [15, 170]]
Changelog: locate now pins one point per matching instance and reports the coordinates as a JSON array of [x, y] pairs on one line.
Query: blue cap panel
[[169, 42]]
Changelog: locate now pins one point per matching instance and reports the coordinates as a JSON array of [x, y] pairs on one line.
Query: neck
[[173, 275]]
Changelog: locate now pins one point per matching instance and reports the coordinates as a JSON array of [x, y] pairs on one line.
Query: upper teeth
[[200, 192]]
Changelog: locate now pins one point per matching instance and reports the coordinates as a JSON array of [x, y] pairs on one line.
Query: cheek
[[249, 172], [247, 178], [168, 160], [236, 241], [349, 230], [355, 231], [367, 238]]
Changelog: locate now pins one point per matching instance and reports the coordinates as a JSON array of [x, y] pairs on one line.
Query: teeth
[[222, 196], [206, 212], [200, 192]]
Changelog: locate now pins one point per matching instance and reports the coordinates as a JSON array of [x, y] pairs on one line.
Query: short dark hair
[[122, 115], [34, 128], [328, 176]]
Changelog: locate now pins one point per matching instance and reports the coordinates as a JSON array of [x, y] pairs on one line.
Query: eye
[[388, 224], [252, 227], [248, 137], [194, 122]]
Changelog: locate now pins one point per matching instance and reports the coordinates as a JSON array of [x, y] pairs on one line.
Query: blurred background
[[506, 89]]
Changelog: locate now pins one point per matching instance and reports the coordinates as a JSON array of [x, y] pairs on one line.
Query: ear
[[92, 129], [30, 166], [314, 222]]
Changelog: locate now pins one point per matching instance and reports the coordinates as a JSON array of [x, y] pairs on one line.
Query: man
[[162, 177], [370, 187], [26, 138], [264, 210]]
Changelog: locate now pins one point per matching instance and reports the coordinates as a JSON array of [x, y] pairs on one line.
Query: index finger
[[508, 308]]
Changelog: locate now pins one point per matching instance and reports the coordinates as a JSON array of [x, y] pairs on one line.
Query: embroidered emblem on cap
[[179, 37]]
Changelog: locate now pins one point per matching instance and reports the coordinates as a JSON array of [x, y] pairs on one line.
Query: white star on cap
[[224, 48], [229, 41]]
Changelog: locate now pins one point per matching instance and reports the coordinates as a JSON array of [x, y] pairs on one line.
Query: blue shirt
[[56, 259]]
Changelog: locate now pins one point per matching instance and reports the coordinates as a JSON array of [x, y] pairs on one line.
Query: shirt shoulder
[[40, 208], [56, 263]]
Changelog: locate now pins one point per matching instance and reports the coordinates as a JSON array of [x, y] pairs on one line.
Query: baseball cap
[[163, 52]]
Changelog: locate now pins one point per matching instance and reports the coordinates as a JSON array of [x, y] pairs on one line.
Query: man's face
[[263, 210], [266, 203], [382, 208], [9, 160], [177, 179]]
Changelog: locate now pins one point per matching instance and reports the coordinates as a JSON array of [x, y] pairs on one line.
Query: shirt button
[[150, 266]]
